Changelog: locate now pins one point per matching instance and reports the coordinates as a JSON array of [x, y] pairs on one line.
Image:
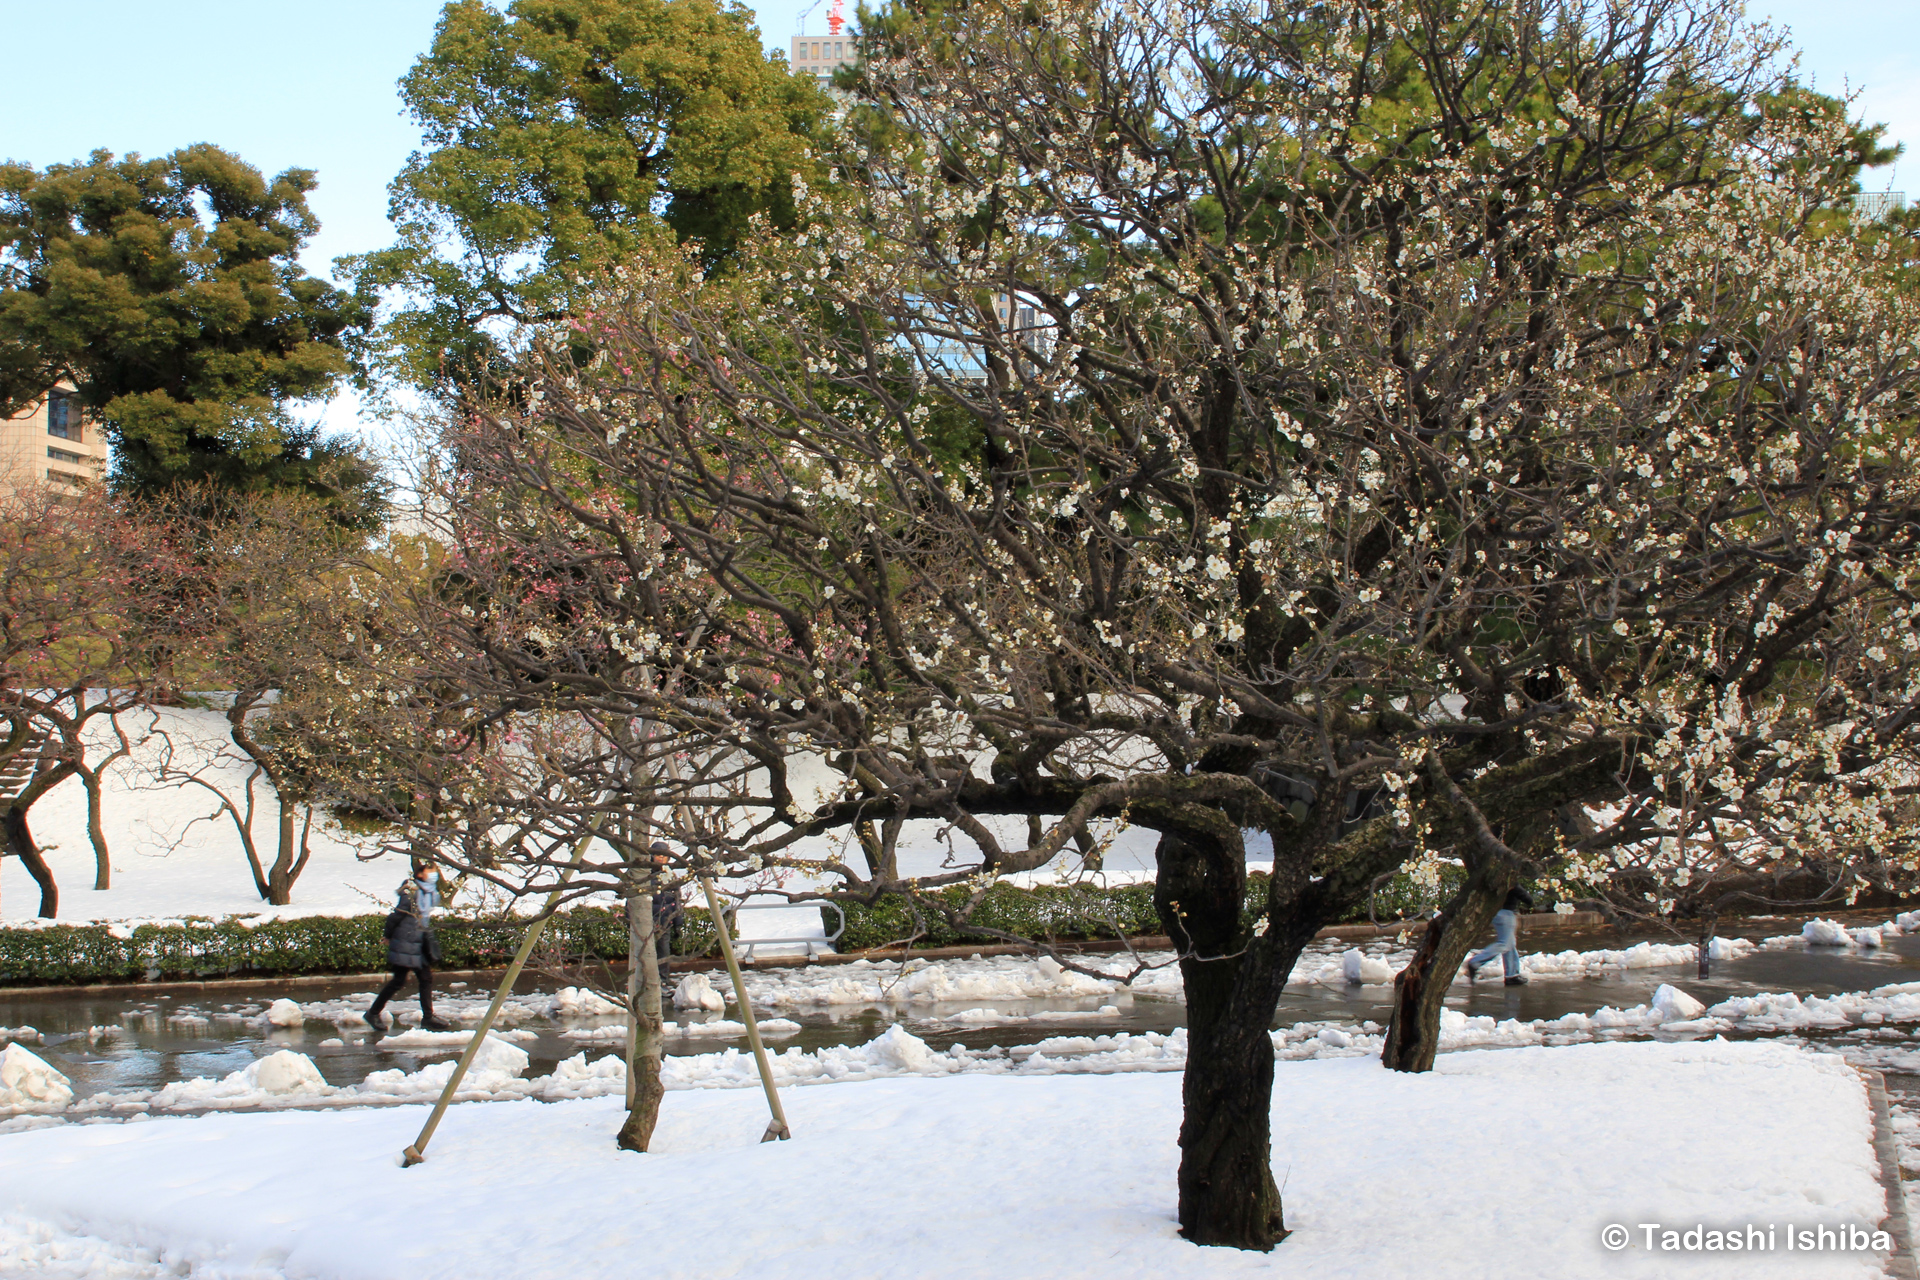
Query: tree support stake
[[417, 1153], [777, 1127]]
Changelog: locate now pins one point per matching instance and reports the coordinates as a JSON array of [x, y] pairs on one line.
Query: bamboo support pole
[[777, 1127], [417, 1153]]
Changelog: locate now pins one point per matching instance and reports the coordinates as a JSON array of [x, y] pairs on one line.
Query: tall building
[[51, 444], [821, 56]]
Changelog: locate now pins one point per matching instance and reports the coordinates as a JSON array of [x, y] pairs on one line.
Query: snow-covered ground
[[174, 854], [1507, 1163]]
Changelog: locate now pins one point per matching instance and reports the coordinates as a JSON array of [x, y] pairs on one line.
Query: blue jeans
[[1504, 928]]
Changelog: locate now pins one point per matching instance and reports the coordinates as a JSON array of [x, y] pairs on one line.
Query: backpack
[[405, 909]]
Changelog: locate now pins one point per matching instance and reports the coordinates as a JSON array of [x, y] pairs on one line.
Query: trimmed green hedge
[[1044, 911], [63, 953], [310, 944]]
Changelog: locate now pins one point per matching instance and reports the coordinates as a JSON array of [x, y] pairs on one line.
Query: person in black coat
[[411, 947], [667, 913]]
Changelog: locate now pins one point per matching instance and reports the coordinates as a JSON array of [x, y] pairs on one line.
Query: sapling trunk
[[645, 1022], [96, 830], [881, 847], [279, 879], [90, 778]]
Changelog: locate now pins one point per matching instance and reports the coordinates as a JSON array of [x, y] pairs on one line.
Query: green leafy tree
[[168, 291], [562, 136]]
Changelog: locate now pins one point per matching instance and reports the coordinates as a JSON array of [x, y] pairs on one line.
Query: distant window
[[836, 48], [65, 477], [61, 455], [816, 52], [63, 415]]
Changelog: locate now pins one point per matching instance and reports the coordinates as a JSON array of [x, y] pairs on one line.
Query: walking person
[[412, 947], [667, 912], [1506, 925]]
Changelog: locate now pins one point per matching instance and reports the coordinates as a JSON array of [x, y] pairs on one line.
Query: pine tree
[[169, 292]]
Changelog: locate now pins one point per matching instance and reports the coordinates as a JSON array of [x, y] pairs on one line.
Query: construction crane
[[835, 20]]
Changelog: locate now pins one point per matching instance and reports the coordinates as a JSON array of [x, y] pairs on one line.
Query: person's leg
[[388, 992], [1502, 946], [427, 1020], [1506, 929]]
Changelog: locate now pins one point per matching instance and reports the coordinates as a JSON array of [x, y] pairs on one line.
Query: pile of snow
[[284, 1013], [432, 1040], [1642, 955], [995, 1017], [579, 1002], [266, 1081], [720, 1203], [28, 1083], [496, 1066], [1827, 933], [887, 983], [284, 1072], [768, 1027], [1670, 1012], [1673, 1009], [1357, 967], [695, 991], [1675, 1005]]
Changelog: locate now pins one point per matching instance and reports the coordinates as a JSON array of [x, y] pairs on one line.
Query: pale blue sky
[[287, 84]]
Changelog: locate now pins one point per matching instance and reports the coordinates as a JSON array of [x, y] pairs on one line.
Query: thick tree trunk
[[1227, 1192], [19, 840], [1420, 989], [645, 1023]]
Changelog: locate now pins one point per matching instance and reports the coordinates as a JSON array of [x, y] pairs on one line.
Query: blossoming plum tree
[[1391, 430]]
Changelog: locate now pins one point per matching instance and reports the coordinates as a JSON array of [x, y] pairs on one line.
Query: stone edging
[[1900, 1266]]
